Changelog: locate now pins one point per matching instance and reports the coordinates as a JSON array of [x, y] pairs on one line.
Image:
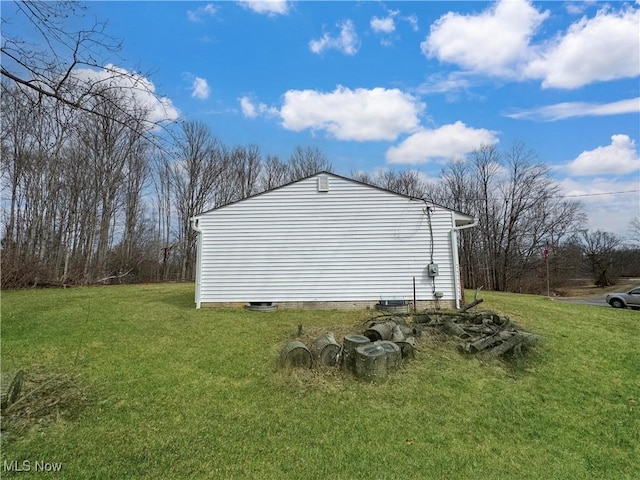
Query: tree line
[[524, 223], [100, 198], [93, 198], [96, 189]]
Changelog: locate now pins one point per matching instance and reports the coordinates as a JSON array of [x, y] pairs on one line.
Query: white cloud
[[387, 26], [197, 15], [266, 7], [495, 42], [360, 114], [577, 8], [439, 83], [251, 110], [447, 142], [564, 110], [139, 90], [383, 25], [347, 41], [200, 88], [603, 48], [619, 158], [248, 108], [498, 42], [413, 21]]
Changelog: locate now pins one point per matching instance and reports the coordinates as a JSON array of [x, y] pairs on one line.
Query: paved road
[[598, 301]]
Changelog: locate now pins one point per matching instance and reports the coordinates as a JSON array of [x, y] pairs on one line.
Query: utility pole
[[546, 259]]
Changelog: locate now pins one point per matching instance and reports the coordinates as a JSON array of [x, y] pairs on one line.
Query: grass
[[168, 391]]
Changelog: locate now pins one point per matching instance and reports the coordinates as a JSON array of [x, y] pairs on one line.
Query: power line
[[573, 196], [596, 194]]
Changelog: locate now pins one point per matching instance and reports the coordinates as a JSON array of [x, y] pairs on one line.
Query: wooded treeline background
[[96, 188], [97, 197]]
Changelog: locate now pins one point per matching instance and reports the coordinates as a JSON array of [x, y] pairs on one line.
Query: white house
[[328, 241]]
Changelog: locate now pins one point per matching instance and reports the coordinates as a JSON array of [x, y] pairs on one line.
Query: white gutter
[[456, 261], [193, 222]]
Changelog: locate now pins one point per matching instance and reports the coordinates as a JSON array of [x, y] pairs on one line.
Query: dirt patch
[[45, 397]]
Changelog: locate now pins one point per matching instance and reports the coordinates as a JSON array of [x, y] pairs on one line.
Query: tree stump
[[394, 355], [371, 362], [296, 354], [350, 343], [326, 350], [407, 347]]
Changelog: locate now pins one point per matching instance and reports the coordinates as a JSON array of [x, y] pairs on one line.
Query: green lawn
[[168, 391]]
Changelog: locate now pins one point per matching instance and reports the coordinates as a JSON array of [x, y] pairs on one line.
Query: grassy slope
[[184, 393]]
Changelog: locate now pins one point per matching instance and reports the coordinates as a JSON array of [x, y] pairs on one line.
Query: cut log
[[407, 347], [408, 331], [486, 342], [326, 350], [397, 335], [479, 329], [472, 304], [518, 338], [422, 318], [296, 354], [394, 355], [380, 331], [503, 322], [398, 320], [371, 362], [452, 328], [350, 343]]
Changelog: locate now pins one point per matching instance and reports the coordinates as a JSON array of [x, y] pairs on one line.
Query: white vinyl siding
[[351, 243]]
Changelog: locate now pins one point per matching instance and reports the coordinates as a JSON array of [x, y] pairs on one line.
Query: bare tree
[[72, 153], [48, 63], [70, 176], [274, 173], [306, 161], [519, 210], [634, 231], [195, 173], [114, 148], [407, 182], [163, 174], [242, 167], [33, 146], [17, 144], [486, 161], [598, 248], [458, 189], [136, 176]]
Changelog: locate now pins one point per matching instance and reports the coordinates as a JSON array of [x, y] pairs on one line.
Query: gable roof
[[460, 215]]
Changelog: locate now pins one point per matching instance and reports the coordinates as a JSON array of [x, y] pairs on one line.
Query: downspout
[[193, 221], [456, 261]]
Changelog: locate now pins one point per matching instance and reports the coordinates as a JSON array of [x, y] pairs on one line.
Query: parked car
[[630, 299]]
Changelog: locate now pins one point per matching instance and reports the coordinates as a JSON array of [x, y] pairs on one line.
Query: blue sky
[[406, 85]]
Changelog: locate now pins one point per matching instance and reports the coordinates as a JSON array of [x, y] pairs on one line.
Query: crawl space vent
[[323, 184]]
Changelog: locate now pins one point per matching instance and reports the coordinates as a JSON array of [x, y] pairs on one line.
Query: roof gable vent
[[323, 183]]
